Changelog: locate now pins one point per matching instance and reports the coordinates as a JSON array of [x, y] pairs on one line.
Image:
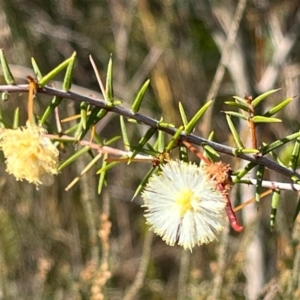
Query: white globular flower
[[183, 205]]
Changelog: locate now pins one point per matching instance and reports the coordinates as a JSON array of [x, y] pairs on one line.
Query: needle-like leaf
[[274, 205], [69, 73], [262, 119], [151, 131], [109, 82], [183, 114], [293, 164], [144, 181], [139, 98], [36, 69], [55, 71], [278, 107], [192, 123], [124, 134], [235, 135], [262, 97], [74, 157], [259, 177], [9, 79]]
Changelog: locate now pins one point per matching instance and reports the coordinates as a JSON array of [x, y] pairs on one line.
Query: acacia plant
[[185, 203]]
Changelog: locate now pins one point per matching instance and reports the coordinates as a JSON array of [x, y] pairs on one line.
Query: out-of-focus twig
[[183, 274], [140, 276], [218, 279], [282, 50], [225, 58]]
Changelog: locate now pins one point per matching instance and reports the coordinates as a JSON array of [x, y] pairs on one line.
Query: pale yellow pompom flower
[[29, 154], [184, 206]]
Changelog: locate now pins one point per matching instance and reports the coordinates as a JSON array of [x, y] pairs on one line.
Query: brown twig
[[127, 113]]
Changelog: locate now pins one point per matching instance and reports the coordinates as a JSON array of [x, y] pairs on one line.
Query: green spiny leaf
[[192, 123], [139, 98], [16, 123], [175, 139], [109, 82], [268, 148], [236, 114], [55, 71], [209, 152], [151, 131], [54, 103], [262, 119], [235, 135], [96, 115], [262, 97], [278, 107], [183, 114], [36, 69], [133, 121], [102, 177], [150, 148], [238, 105], [107, 167], [98, 139], [142, 185], [244, 171], [68, 76], [165, 125], [248, 151], [240, 100], [276, 157], [293, 164], [83, 114], [124, 134], [259, 177], [275, 203], [159, 145], [9, 79], [85, 170], [74, 157], [112, 140]]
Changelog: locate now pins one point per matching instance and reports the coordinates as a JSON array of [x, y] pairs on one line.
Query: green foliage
[[274, 205], [195, 119], [9, 79], [259, 177], [140, 96], [59, 234], [67, 82]]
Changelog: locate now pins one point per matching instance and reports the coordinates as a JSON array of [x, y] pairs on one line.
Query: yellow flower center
[[184, 201]]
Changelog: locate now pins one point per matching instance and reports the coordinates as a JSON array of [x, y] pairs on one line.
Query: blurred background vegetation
[[49, 238]]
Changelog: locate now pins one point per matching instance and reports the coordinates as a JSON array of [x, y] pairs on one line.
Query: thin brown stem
[[252, 200], [194, 150], [127, 113], [31, 94], [251, 124]]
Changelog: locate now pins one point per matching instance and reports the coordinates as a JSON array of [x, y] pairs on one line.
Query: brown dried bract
[[221, 173]]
